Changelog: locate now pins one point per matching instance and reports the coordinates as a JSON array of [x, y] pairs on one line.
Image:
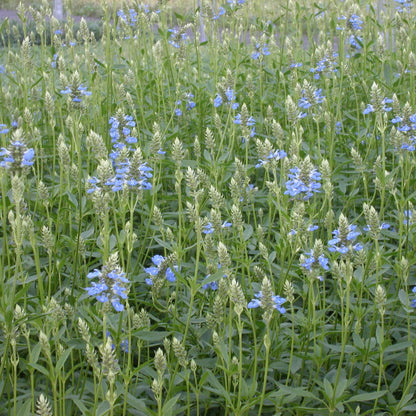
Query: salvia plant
[[210, 210]]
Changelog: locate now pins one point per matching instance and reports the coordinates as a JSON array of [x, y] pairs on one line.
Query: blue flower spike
[[112, 286]]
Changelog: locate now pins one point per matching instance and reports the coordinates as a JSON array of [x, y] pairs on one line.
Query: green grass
[[186, 177]]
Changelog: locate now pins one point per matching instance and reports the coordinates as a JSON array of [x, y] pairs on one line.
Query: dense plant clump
[[209, 213]]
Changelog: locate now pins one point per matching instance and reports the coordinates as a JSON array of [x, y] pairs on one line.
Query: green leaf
[[296, 364], [296, 391], [78, 402], [329, 391], [212, 278], [248, 232], [358, 342], [3, 24], [138, 404], [73, 199], [169, 406], [39, 368], [406, 399], [102, 408], [24, 410], [88, 233], [63, 358], [218, 388], [400, 346], [340, 389], [34, 357], [363, 397], [207, 156], [152, 336], [397, 382], [404, 299], [36, 82], [410, 408], [99, 62]]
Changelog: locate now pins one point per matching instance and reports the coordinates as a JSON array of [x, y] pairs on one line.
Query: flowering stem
[[266, 367], [380, 364], [292, 343], [345, 330]]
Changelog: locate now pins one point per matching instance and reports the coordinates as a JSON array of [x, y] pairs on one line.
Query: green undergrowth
[[209, 212]]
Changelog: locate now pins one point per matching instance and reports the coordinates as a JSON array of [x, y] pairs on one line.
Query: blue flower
[[306, 102], [177, 38], [303, 185], [211, 285], [325, 65], [249, 123], [235, 3], [310, 260], [120, 130], [112, 287], [128, 172], [96, 288], [338, 127], [370, 108], [124, 345], [345, 244], [413, 302], [208, 228], [407, 5], [3, 129], [158, 268], [221, 12], [27, 159], [355, 22], [53, 63], [189, 104], [273, 156], [228, 95], [76, 92], [261, 50], [278, 302], [408, 214], [17, 155], [383, 226], [117, 305], [217, 101]]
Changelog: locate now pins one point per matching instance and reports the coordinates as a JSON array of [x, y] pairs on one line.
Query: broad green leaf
[[397, 382], [400, 346], [340, 389], [169, 406], [248, 232], [138, 404], [102, 408], [296, 391], [63, 358], [218, 388], [39, 368], [24, 409], [78, 402], [363, 397], [329, 391], [152, 336]]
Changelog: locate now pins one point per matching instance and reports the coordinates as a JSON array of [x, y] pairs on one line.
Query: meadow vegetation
[[209, 222]]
